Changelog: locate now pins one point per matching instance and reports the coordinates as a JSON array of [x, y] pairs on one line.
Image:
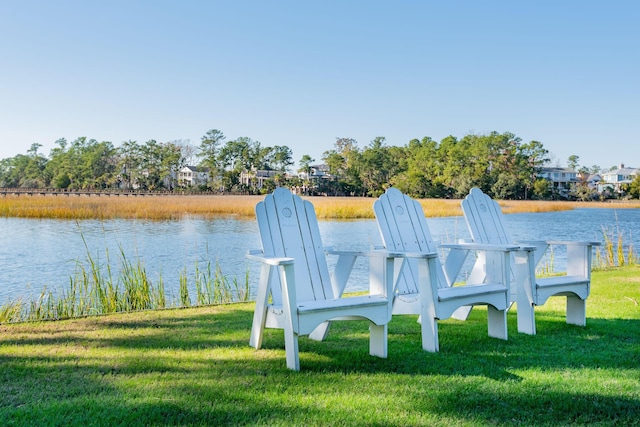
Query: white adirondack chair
[[296, 292], [423, 285], [486, 225]]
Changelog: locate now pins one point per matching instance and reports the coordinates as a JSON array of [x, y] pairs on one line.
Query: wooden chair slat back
[[289, 228], [485, 219], [403, 227]]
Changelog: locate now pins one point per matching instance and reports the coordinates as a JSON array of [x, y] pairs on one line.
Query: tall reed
[[616, 253], [213, 287], [11, 311], [185, 300], [94, 290]]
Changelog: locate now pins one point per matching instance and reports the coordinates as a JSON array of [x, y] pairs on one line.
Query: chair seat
[[457, 292], [349, 302], [548, 282]]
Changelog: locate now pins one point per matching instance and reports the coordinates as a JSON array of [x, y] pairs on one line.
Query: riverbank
[[212, 206], [195, 367]]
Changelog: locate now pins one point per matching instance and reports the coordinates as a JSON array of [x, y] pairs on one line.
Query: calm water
[[45, 253]]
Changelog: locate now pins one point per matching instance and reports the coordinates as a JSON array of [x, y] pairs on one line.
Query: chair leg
[[526, 315], [462, 313], [260, 313], [497, 320], [526, 319], [320, 333], [576, 311], [378, 340], [291, 349], [429, 328], [257, 328]]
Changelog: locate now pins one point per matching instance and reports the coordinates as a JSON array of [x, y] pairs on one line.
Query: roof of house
[[556, 169], [622, 171], [196, 169]]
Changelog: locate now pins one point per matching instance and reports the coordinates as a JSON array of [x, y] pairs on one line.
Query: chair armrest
[[560, 242], [481, 247], [419, 255], [275, 261], [532, 242], [371, 253], [572, 242]]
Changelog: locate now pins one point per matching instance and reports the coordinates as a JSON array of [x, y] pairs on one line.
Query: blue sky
[[302, 73]]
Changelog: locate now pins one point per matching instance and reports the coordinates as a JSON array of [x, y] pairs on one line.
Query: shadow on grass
[[195, 367]]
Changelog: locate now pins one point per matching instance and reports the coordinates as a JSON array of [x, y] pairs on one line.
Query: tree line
[[498, 163]]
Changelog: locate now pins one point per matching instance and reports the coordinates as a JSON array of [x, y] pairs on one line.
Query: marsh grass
[[614, 252], [11, 312], [213, 287], [210, 206], [94, 289], [194, 367]]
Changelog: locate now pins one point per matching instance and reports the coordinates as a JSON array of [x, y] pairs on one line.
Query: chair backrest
[[485, 219], [403, 227], [289, 228]]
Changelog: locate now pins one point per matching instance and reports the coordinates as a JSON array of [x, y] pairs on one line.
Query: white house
[[562, 179], [191, 175], [315, 172], [311, 179], [594, 180], [256, 178], [623, 175]]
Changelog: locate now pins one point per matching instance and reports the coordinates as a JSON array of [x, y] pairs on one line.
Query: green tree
[[634, 188], [542, 189], [158, 163], [28, 171], [95, 163], [376, 167], [209, 150], [507, 187], [532, 156], [344, 165], [129, 163], [573, 162], [305, 167], [453, 158], [242, 154], [305, 164], [279, 158]]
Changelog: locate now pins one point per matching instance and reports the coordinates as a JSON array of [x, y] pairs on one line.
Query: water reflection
[[37, 253]]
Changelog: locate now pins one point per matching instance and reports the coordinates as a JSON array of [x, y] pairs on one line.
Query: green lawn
[[194, 367]]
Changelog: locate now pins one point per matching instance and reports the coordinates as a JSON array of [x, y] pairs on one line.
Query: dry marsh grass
[[211, 206]]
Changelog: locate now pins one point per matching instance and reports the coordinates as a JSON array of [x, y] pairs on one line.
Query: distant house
[[190, 176], [312, 179], [315, 172], [562, 179], [257, 178], [614, 179], [594, 180]]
